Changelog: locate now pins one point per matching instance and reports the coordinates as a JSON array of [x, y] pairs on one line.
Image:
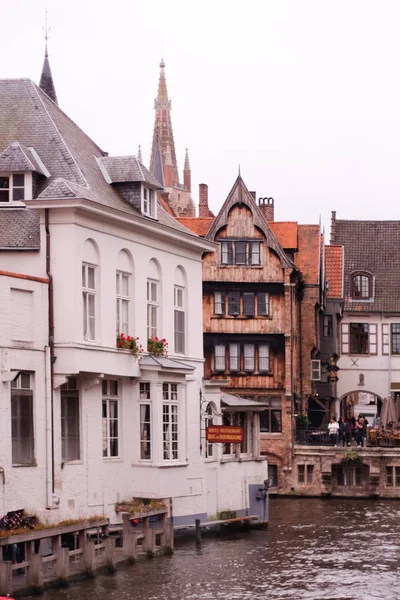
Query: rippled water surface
[[315, 549]]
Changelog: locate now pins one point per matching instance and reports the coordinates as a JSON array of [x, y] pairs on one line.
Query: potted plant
[[157, 347], [129, 343]]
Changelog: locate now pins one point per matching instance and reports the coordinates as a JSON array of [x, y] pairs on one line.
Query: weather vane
[[46, 29]]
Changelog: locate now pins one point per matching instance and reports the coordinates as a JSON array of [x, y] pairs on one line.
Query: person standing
[[359, 430], [333, 429]]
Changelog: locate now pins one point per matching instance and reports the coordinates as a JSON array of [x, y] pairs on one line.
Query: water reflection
[[313, 549]]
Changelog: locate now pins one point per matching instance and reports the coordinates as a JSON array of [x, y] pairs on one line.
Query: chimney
[[333, 223], [254, 196], [266, 205], [204, 212]]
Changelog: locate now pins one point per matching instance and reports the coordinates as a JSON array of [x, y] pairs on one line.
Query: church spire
[[187, 175], [46, 79], [163, 133]]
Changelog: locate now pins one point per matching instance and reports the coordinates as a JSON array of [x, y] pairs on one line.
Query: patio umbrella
[[388, 412]]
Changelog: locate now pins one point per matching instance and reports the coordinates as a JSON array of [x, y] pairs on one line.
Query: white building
[[370, 329], [86, 252]]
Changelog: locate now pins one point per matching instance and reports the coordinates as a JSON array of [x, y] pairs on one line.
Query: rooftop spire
[[187, 163], [46, 79], [139, 154]]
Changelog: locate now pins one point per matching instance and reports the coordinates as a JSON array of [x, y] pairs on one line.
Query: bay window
[[170, 421]]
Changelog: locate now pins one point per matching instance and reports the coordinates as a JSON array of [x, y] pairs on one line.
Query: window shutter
[[234, 303], [345, 338], [373, 345], [315, 370], [385, 338], [263, 304], [248, 304]]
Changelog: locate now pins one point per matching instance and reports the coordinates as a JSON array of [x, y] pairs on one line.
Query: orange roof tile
[[165, 205], [334, 270], [197, 225], [307, 258], [286, 233]]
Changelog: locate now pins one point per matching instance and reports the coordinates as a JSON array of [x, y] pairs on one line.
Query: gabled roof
[[17, 158], [239, 194], [197, 225], [374, 247], [286, 233], [334, 271], [60, 189], [122, 169]]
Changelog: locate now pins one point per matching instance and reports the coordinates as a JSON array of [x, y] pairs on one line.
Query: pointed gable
[[239, 195], [17, 158]]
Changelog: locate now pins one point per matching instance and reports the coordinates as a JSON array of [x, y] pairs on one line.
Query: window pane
[[234, 303], [91, 278], [300, 473], [18, 193], [234, 357], [125, 284], [219, 362], [145, 432], [359, 338], [179, 317], [328, 331], [219, 303], [263, 304], [263, 357], [254, 251], [395, 338], [265, 421], [18, 180], [276, 421], [249, 357], [226, 253], [240, 253], [22, 427], [248, 304]]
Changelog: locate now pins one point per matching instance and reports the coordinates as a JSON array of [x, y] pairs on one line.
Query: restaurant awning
[[230, 403]]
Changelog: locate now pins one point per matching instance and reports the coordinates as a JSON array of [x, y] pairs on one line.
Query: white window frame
[[89, 302], [152, 307], [315, 370], [70, 421], [110, 399], [12, 187], [179, 314], [145, 424], [170, 421], [149, 203], [123, 301], [22, 387]]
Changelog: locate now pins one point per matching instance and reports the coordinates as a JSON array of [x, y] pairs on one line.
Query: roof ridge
[[140, 167], [36, 89]]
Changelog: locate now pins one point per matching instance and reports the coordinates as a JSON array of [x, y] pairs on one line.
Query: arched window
[[361, 286], [124, 292], [90, 289], [180, 311]]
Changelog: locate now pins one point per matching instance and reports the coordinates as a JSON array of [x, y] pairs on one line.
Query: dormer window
[[361, 286], [12, 187], [149, 203]]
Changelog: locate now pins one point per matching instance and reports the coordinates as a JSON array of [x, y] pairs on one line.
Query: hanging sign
[[224, 434]]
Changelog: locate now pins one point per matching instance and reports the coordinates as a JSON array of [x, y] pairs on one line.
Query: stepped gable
[[374, 247], [239, 194]]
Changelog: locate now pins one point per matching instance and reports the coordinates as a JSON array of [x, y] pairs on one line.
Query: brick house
[[261, 310]]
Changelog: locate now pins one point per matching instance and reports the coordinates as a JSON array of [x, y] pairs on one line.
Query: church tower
[[163, 146]]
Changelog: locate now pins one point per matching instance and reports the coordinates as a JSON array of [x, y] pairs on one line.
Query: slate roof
[[121, 169], [334, 271], [17, 158], [372, 246], [20, 229], [31, 118]]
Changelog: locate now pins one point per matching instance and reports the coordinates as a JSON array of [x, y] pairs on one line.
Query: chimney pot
[[266, 205]]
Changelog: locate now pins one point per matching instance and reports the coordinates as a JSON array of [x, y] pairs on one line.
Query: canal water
[[316, 549]]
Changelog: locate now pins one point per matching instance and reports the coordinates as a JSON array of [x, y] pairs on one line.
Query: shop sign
[[224, 434]]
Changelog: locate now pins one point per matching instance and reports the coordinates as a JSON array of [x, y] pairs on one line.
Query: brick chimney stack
[[333, 223], [266, 205], [204, 212]]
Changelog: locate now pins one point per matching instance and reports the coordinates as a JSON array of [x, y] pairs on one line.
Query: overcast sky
[[303, 94]]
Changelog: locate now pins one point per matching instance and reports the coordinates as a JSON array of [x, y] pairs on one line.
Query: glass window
[[240, 253], [18, 187], [145, 422], [209, 421], [395, 338], [263, 357], [300, 473], [123, 300], [254, 253], [110, 419], [271, 417], [4, 189], [170, 421], [310, 472], [249, 357], [152, 308], [219, 303], [359, 338], [70, 428], [179, 320], [234, 303], [12, 187], [273, 475], [89, 301], [328, 326], [22, 420], [361, 288], [248, 304], [234, 357], [389, 476], [148, 202], [227, 253], [219, 357], [263, 304]]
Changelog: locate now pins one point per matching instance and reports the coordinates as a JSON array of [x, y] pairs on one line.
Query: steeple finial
[[46, 79], [139, 154], [162, 84], [187, 163]]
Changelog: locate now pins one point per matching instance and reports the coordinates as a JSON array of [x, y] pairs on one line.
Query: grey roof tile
[[372, 246], [16, 158], [19, 229], [121, 169]]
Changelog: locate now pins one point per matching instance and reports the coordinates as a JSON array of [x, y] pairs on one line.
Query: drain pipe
[[51, 358]]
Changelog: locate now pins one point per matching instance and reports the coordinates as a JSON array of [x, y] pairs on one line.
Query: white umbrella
[[388, 412]]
